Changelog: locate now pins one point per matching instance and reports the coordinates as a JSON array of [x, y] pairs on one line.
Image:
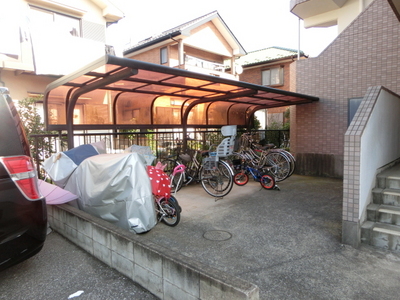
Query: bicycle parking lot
[[287, 242]]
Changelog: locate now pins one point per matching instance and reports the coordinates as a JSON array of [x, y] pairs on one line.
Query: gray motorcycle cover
[[115, 188]]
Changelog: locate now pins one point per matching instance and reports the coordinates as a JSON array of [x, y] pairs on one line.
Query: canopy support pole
[[86, 89], [185, 116]]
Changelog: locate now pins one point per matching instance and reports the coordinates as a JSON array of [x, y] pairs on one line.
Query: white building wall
[[380, 143], [372, 142]]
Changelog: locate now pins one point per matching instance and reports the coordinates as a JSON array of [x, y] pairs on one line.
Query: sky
[[256, 24]]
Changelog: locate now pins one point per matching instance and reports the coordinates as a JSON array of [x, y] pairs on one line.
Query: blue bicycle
[[261, 175]]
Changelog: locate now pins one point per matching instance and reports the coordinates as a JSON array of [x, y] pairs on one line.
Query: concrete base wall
[[351, 234], [166, 274]]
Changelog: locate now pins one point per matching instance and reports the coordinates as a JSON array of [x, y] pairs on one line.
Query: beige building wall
[[21, 86]]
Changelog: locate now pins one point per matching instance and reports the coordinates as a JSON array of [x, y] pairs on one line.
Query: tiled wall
[[365, 54], [352, 153], [371, 145]]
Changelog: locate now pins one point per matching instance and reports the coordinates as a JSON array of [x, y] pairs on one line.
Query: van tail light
[[22, 172]]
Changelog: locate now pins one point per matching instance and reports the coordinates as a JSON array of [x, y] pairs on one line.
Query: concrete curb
[[163, 272]]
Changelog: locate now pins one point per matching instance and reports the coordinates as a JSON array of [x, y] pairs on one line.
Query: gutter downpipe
[[86, 89], [180, 50], [298, 40]]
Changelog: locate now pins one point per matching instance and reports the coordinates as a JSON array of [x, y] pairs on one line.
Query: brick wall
[[151, 56], [365, 54], [253, 75]]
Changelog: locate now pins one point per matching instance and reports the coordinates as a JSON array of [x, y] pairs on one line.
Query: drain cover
[[217, 235]]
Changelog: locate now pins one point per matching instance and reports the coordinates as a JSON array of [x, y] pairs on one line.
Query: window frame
[[270, 81], [164, 55], [56, 18]]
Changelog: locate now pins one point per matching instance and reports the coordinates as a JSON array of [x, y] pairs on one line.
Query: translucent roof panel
[[114, 92]]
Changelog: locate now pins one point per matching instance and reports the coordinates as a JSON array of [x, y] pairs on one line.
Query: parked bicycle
[[261, 175], [206, 167], [167, 208], [279, 161], [214, 175]]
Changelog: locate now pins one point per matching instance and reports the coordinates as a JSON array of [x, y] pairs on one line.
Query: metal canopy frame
[[110, 79]]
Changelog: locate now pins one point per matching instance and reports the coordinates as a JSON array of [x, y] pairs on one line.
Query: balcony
[[202, 66], [62, 54], [311, 8]]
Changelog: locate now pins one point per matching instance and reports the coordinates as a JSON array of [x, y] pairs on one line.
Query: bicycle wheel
[[291, 158], [217, 181], [267, 182], [169, 212], [176, 181], [279, 165], [292, 161], [175, 201], [241, 178]]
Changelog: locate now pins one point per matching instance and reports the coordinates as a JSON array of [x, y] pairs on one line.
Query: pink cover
[[54, 194], [160, 183]]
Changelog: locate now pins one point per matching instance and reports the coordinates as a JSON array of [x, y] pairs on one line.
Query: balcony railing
[[201, 63]]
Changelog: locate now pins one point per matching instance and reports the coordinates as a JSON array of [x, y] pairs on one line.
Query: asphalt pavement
[[61, 271], [287, 242]]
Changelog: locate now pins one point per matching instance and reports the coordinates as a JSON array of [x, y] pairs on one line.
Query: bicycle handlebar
[[179, 169]]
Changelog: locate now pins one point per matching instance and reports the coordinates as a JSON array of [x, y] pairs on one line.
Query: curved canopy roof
[[117, 93]]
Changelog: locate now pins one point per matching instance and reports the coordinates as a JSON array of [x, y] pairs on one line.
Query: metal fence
[[162, 143]]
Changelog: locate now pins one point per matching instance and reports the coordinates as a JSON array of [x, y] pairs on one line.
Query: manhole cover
[[217, 235]]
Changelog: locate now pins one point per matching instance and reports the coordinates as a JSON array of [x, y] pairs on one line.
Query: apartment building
[[356, 77], [45, 39]]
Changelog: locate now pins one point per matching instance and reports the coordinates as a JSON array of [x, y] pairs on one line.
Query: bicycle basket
[[210, 163], [185, 157]]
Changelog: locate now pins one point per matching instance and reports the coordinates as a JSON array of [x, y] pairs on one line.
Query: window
[[272, 77], [353, 105], [163, 55], [63, 23]]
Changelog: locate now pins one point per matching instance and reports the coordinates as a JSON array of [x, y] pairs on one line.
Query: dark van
[[23, 214]]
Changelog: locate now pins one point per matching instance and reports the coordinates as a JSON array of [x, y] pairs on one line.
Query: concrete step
[[381, 235], [389, 178], [387, 214], [386, 196]]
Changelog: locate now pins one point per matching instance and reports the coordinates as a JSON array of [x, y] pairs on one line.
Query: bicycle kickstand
[[218, 198]]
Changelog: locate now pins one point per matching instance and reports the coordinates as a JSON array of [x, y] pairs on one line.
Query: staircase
[[382, 228]]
